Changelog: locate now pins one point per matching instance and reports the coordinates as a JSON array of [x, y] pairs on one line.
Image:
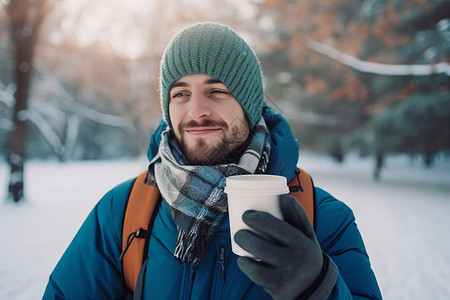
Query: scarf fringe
[[191, 247]]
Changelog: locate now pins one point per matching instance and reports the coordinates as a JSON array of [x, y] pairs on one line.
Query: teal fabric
[[90, 267], [215, 50]]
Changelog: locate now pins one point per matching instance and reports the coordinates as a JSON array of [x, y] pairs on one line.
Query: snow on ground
[[403, 219]]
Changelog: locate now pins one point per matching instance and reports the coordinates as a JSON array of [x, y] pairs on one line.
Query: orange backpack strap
[[139, 215], [302, 188]]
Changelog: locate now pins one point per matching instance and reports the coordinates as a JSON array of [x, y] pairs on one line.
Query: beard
[[228, 149]]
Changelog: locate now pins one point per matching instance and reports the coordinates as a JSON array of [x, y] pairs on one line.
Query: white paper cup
[[257, 192]]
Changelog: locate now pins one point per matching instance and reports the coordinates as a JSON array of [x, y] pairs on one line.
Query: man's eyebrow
[[213, 81], [184, 84], [178, 83]]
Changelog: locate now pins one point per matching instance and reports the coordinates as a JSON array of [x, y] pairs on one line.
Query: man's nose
[[199, 106]]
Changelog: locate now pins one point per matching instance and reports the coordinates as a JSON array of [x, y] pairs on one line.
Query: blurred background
[[79, 79], [364, 84]]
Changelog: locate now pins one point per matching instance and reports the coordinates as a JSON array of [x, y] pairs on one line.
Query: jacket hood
[[284, 149]]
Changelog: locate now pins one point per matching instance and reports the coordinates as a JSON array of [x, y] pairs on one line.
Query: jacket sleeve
[[340, 239], [90, 267]]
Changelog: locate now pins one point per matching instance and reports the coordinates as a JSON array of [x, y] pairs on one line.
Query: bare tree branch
[[377, 68], [58, 89], [44, 128], [7, 94]]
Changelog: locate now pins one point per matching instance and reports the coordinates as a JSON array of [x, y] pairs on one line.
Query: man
[[216, 125]]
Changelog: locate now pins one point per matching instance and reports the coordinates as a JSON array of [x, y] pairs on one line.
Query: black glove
[[290, 263]]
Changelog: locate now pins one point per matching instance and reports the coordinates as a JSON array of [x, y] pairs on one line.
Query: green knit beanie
[[215, 50]]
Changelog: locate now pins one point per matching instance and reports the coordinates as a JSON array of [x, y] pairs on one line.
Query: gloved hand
[[291, 264]]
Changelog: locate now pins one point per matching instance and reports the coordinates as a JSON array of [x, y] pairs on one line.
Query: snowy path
[[403, 219]]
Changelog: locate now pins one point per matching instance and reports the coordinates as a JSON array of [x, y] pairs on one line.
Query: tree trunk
[[18, 136], [17, 140], [428, 159], [379, 161], [24, 20]]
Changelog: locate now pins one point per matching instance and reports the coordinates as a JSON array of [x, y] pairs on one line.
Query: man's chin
[[200, 156], [211, 153]]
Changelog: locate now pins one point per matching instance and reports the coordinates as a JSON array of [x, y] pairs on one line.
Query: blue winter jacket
[[90, 267]]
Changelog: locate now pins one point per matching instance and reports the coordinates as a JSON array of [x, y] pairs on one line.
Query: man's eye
[[220, 92], [180, 94]]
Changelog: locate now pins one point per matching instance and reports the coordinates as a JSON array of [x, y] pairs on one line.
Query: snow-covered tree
[[352, 60]]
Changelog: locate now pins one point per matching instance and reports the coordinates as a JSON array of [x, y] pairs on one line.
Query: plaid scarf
[[195, 194]]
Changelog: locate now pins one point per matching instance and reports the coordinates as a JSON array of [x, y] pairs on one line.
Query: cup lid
[[257, 183]]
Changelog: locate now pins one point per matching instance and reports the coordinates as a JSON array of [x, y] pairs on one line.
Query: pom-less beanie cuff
[[215, 50]]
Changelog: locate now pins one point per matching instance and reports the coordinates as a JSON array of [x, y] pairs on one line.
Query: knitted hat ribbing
[[214, 50]]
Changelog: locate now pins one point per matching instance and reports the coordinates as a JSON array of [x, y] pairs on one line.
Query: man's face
[[207, 120]]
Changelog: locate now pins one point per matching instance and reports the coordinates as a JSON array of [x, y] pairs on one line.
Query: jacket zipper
[[186, 290], [222, 263], [220, 275], [190, 276]]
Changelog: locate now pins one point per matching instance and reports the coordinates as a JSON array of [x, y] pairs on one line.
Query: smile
[[202, 130]]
